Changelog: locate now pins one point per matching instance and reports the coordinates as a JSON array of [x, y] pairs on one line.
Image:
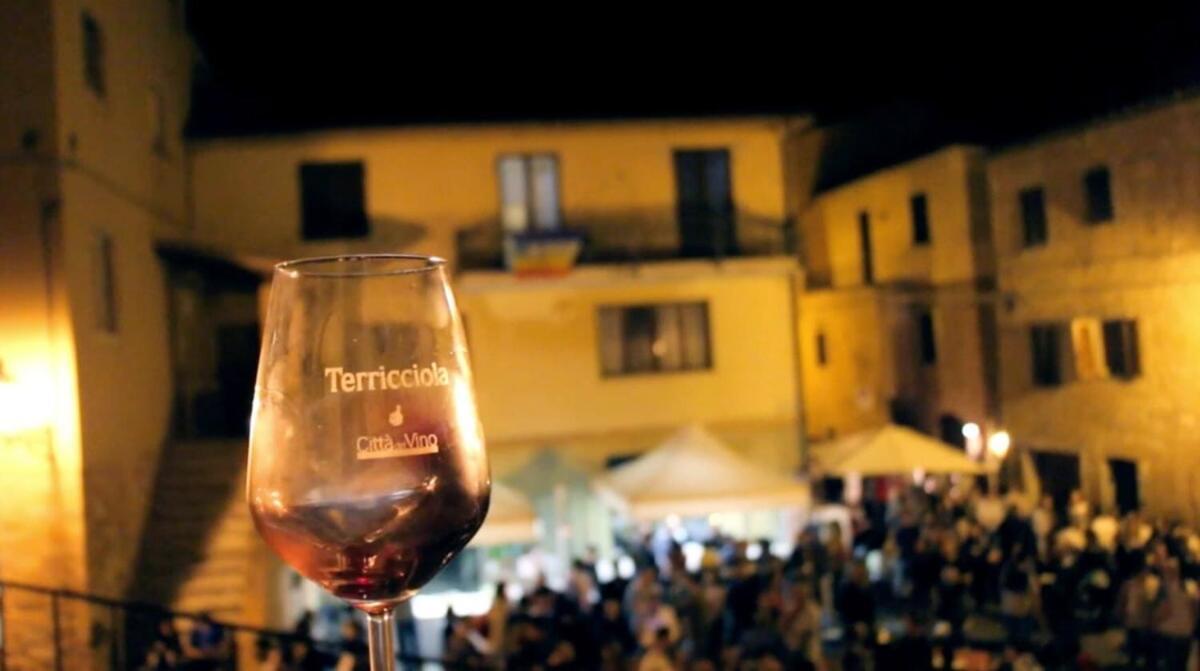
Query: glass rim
[[328, 266]]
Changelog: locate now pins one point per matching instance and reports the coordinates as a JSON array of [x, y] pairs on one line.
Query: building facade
[[619, 280], [901, 333], [91, 175], [1097, 246]]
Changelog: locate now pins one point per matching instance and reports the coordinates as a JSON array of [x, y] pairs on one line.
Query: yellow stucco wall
[[113, 181], [850, 391], [944, 176], [871, 331], [1143, 265], [616, 179], [534, 345]]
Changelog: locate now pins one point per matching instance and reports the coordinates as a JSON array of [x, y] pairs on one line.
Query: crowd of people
[[925, 579]]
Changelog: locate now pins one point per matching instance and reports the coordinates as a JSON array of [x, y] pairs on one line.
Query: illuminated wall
[[870, 332], [1144, 265], [616, 180]]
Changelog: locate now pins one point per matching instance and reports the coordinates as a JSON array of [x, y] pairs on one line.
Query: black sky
[[990, 75]]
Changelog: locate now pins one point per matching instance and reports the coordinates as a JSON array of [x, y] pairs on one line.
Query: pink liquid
[[375, 551]]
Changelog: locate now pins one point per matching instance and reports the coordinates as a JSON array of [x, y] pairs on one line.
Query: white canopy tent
[[511, 519], [891, 450], [693, 473]]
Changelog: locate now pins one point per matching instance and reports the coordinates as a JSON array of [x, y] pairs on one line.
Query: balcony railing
[[634, 239], [39, 628]]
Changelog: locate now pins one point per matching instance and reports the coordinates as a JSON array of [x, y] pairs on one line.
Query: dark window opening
[[919, 205], [1033, 217], [864, 241], [107, 316], [822, 356], [1121, 348], [663, 338], [1097, 189], [332, 199], [925, 338], [704, 198], [93, 54], [1125, 485], [1045, 343]]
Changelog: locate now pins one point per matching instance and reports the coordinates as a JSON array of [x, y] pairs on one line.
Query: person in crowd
[[496, 620], [1019, 598], [654, 616], [855, 604], [912, 651], [1043, 520], [1172, 621], [352, 655], [658, 655], [209, 645], [1135, 606], [800, 623], [642, 587], [1022, 574]]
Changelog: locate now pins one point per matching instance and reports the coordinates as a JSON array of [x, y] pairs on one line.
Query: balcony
[[616, 240]]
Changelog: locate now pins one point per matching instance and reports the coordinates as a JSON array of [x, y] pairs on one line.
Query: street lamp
[[972, 434], [998, 444]]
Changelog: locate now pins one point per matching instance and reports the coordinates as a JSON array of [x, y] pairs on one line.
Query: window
[[528, 192], [822, 355], [1044, 340], [1033, 216], [864, 242], [704, 202], [332, 201], [659, 338], [156, 112], [925, 338], [919, 205], [93, 54], [1121, 348], [1098, 193], [107, 319]]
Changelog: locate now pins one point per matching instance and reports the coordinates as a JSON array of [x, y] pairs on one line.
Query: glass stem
[[379, 640]]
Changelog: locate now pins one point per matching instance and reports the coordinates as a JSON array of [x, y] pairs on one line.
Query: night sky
[[988, 77]]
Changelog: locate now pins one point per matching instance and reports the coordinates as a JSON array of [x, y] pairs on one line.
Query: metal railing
[[40, 628], [638, 238]]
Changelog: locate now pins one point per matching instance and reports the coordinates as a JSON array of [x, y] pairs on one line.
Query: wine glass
[[367, 469]]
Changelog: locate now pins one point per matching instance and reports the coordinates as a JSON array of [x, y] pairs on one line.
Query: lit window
[[654, 338], [528, 192]]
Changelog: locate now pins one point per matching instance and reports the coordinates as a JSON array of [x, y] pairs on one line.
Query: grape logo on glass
[[384, 445]]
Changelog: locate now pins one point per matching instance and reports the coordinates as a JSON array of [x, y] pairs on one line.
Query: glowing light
[[998, 444], [626, 568], [970, 430], [23, 405]]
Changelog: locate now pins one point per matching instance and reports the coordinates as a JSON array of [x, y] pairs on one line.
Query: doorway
[[1058, 473], [705, 203]]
